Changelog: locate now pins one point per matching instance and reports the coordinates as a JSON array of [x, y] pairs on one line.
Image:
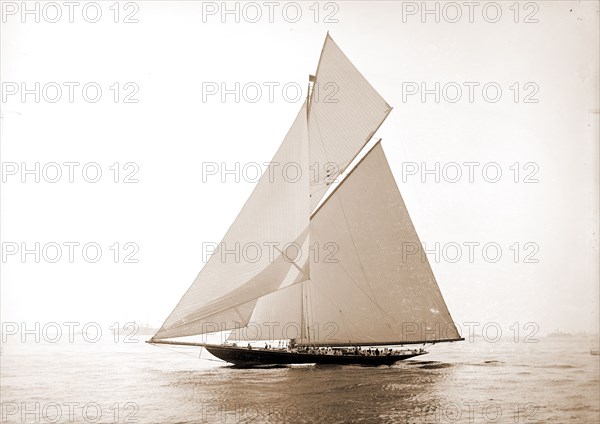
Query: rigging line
[[320, 185], [291, 261], [354, 244], [240, 315], [383, 312]]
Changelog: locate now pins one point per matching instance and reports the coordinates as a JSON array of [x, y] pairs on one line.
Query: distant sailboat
[[369, 293], [557, 334]]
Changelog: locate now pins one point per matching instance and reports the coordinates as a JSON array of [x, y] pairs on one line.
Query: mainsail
[[251, 259], [356, 279]]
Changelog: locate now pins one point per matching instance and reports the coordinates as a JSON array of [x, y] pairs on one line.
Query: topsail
[[344, 113], [354, 278]]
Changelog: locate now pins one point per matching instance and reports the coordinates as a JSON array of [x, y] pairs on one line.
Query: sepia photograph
[[310, 211]]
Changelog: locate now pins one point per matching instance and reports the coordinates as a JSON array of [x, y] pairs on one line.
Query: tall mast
[[302, 311], [309, 92]]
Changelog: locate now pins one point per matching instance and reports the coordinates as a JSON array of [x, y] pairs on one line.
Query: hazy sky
[[170, 132]]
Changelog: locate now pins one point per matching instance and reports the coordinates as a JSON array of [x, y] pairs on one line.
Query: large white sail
[[276, 316], [344, 113], [378, 287], [377, 290], [275, 215]]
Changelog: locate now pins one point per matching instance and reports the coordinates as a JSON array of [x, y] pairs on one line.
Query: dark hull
[[244, 357]]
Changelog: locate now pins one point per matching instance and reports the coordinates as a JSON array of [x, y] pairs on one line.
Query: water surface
[[554, 380]]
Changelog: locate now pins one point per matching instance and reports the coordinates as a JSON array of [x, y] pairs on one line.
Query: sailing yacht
[[339, 285]]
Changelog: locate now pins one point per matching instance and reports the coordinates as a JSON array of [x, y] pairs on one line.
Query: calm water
[[554, 380]]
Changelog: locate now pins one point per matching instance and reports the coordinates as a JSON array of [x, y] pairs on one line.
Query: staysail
[[378, 288]]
